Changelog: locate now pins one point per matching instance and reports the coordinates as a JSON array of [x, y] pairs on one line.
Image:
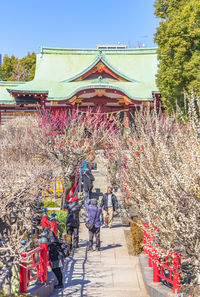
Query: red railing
[[51, 224], [40, 266], [161, 263]]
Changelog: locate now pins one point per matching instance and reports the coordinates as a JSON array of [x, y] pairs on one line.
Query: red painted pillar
[[44, 257], [176, 274], [150, 248], [53, 225], [150, 257], [23, 274], [45, 218], [156, 268], [145, 241]]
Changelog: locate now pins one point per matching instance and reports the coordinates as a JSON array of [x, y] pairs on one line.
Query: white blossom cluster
[[34, 149], [161, 157], [21, 183]]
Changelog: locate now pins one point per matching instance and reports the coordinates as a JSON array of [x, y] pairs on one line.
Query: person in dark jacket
[[109, 204], [72, 222], [87, 178], [94, 216], [56, 258]]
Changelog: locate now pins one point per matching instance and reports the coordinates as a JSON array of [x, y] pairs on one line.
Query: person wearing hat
[[87, 179], [95, 217], [109, 204], [72, 222], [84, 165], [56, 258]]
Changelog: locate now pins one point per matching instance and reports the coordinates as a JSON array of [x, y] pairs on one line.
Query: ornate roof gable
[[100, 66]]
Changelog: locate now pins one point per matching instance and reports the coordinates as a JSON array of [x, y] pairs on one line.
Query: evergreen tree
[[178, 39], [15, 69], [7, 67]]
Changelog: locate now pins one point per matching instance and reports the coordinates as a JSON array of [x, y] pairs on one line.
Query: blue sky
[[27, 25]]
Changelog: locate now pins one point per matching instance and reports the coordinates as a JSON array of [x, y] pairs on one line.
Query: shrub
[[136, 237], [61, 216], [50, 203]]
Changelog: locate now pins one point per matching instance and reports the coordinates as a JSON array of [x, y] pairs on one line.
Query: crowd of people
[[98, 216]]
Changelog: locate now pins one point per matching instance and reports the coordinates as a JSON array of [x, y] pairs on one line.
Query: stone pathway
[[108, 273]]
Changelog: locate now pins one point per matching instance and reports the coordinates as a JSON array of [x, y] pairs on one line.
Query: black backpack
[[64, 249]]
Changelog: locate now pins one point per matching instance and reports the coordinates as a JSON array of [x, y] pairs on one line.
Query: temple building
[[112, 80]]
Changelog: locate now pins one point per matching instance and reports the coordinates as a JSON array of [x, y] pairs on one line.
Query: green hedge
[[61, 215], [50, 203]]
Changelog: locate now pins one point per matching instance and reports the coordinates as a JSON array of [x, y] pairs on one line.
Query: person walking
[[109, 204], [72, 222], [56, 259], [94, 218], [87, 178]]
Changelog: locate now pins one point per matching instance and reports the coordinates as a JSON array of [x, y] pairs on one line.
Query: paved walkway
[[108, 273]]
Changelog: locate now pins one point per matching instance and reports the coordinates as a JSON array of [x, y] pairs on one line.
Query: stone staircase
[[102, 182], [100, 186], [101, 177]]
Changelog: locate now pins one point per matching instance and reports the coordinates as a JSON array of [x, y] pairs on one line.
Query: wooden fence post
[[53, 224], [44, 218], [23, 271], [44, 256], [176, 274], [156, 268]]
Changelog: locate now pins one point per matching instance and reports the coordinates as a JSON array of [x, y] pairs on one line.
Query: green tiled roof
[[56, 68], [5, 97], [136, 91], [102, 58]]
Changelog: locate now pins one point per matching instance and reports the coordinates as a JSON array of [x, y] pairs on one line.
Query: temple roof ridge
[[11, 82], [52, 50]]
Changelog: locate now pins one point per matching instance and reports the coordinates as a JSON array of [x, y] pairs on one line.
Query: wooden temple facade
[[109, 81]]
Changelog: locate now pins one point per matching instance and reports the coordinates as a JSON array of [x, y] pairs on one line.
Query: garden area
[[156, 166], [34, 151]]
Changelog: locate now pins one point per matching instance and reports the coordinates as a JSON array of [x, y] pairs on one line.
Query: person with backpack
[[72, 222], [94, 222], [87, 178], [57, 252], [56, 260]]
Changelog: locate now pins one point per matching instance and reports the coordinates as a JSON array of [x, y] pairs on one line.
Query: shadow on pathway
[[111, 246], [74, 274]]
